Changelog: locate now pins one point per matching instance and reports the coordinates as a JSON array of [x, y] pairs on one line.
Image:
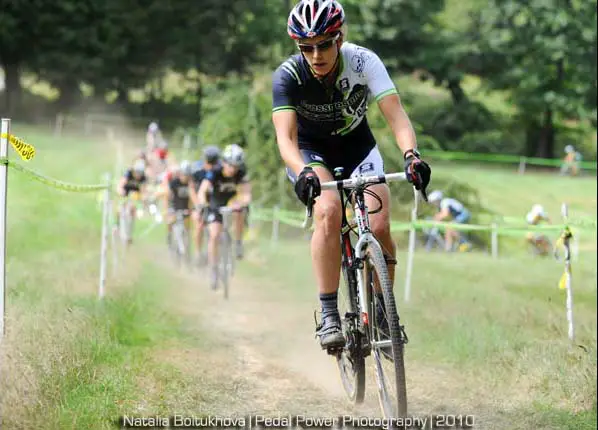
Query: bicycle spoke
[[350, 360]]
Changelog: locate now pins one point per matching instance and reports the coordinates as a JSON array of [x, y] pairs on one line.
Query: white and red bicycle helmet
[[311, 18]]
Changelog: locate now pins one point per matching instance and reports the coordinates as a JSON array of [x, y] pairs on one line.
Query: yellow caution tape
[[25, 150], [55, 183]]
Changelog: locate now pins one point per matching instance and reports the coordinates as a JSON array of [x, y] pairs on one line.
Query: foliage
[[541, 55], [545, 53]]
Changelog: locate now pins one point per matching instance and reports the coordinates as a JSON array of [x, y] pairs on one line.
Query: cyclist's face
[[137, 174], [320, 52], [229, 169]]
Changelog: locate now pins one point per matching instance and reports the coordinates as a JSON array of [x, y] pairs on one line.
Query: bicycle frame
[[355, 255], [178, 230]]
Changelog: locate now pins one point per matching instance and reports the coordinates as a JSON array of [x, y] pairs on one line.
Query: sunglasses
[[322, 46]]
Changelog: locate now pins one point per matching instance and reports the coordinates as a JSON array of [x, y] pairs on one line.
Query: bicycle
[[126, 221], [361, 318], [431, 238], [226, 260], [180, 238]]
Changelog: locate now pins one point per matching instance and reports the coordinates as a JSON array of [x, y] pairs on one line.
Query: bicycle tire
[[224, 256], [125, 225], [375, 262], [122, 228], [130, 224], [187, 244], [177, 234], [351, 360], [202, 250], [232, 257]]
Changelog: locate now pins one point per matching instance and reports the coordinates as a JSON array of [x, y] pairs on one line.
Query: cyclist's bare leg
[[449, 236], [169, 219], [239, 223], [325, 244], [326, 260], [380, 223], [187, 222], [542, 244]]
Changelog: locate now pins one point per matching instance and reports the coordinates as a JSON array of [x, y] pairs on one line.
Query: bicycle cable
[[365, 192]]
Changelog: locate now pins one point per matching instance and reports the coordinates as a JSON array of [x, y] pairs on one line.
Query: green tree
[[19, 35], [396, 31], [541, 50]]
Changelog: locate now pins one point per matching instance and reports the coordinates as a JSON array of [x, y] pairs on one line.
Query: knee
[[328, 215], [380, 225], [214, 232]]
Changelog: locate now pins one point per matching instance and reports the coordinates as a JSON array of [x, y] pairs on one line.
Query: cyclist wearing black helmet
[[211, 159], [220, 185]]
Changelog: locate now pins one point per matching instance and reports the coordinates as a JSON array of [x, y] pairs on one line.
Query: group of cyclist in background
[[197, 190]]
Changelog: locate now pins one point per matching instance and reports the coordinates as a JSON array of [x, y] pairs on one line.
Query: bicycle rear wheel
[[178, 242], [187, 244], [351, 360], [388, 348]]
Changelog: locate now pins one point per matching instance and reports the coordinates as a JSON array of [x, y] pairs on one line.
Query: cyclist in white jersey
[[449, 208], [320, 99]]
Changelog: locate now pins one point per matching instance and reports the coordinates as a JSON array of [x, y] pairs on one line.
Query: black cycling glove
[[418, 172], [307, 178]]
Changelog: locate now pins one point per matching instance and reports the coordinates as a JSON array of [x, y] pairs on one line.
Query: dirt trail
[[265, 342]]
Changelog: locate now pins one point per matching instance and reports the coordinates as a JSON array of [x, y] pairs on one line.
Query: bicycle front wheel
[[351, 360], [178, 248], [388, 340], [224, 262]]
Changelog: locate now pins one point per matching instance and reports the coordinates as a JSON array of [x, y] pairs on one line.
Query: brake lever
[[424, 194], [310, 198], [309, 207]]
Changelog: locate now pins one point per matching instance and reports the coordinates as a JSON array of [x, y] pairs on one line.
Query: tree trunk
[[457, 93], [69, 95], [545, 147], [122, 95], [531, 138], [13, 90], [539, 136], [199, 95]]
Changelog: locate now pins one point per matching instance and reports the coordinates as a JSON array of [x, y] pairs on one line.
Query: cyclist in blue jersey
[[320, 99], [211, 160], [450, 209]]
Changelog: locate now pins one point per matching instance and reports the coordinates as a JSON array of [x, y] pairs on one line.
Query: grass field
[[487, 337]]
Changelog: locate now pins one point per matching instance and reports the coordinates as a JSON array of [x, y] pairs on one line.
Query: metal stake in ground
[[4, 136], [567, 235], [105, 232]]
